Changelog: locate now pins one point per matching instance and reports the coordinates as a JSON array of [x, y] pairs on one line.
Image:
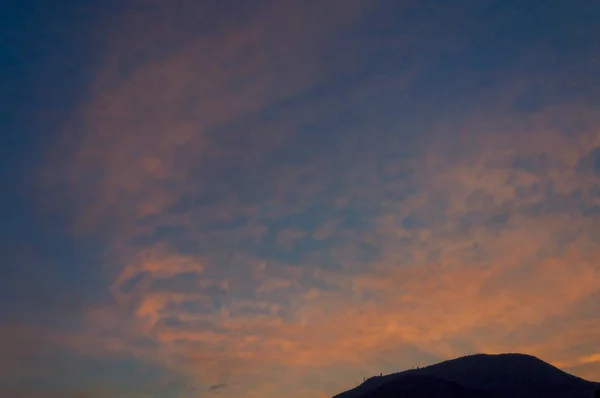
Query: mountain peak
[[485, 375]]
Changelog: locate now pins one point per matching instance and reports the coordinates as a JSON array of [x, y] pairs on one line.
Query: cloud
[[216, 387], [288, 216], [287, 237]]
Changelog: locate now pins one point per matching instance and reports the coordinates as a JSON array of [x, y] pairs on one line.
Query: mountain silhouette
[[416, 386], [478, 376]]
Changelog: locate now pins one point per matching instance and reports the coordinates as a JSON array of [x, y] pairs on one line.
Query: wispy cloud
[[289, 216]]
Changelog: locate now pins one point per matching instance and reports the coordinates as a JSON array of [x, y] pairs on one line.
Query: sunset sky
[[277, 198]]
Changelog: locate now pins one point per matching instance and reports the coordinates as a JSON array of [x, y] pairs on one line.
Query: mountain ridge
[[479, 375]]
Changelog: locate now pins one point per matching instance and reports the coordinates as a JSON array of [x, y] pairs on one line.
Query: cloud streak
[[296, 216]]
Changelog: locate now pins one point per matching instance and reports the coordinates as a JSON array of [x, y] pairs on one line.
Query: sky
[[278, 198]]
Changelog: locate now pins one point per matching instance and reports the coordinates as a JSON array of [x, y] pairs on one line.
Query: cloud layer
[[291, 197]]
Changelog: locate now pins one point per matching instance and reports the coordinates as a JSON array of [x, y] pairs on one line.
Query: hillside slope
[[504, 375]]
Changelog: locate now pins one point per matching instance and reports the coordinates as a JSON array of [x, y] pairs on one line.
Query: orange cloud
[[245, 244]]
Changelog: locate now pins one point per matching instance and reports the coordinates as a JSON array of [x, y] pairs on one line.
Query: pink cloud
[[467, 251]]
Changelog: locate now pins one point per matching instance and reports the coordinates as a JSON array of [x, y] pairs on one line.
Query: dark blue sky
[[286, 195]]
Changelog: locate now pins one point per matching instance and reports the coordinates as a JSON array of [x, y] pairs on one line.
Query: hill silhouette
[[416, 386], [478, 376]]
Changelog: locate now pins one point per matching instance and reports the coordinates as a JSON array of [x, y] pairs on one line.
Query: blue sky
[[223, 198]]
